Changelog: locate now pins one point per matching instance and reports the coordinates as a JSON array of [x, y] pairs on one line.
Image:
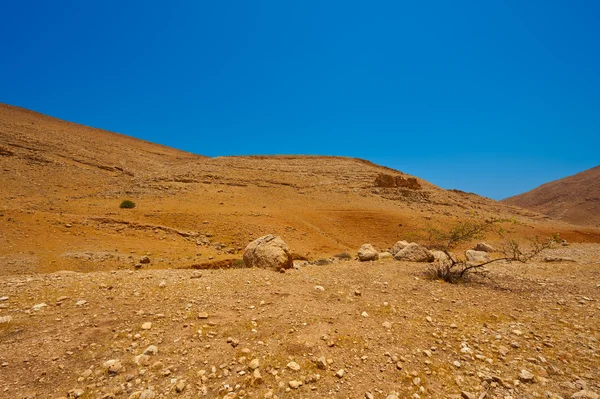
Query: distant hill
[[575, 199], [62, 183]]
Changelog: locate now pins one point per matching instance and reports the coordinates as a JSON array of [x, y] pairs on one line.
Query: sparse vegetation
[[343, 256], [127, 204], [454, 269], [238, 264]]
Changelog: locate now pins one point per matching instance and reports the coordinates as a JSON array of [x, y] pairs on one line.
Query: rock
[[295, 384], [180, 386], [386, 324], [5, 319], [386, 255], [468, 395], [112, 366], [144, 260], [196, 274], [81, 302], [319, 288], [147, 394], [367, 253], [526, 376], [340, 373], [414, 253], [322, 363], [293, 366], [483, 247], [142, 360], [39, 306], [440, 256], [76, 393], [162, 284], [254, 364], [268, 252], [585, 394], [151, 350], [364, 314], [203, 315], [477, 256], [400, 245], [3, 298], [146, 326]]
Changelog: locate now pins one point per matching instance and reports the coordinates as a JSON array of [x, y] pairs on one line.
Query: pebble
[[526, 376], [364, 314], [319, 288], [203, 315], [295, 384], [112, 366], [151, 350], [147, 325], [322, 363], [340, 373], [162, 284], [5, 319], [81, 302], [387, 324], [293, 366], [39, 306], [3, 298], [254, 364]]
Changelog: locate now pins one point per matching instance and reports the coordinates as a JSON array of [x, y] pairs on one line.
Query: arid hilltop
[[62, 184], [96, 301], [574, 199]]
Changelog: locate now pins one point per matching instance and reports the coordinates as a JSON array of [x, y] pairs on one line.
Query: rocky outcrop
[[268, 252], [367, 253], [389, 181], [415, 253]]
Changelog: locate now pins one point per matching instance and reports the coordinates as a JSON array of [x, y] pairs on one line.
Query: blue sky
[[492, 97]]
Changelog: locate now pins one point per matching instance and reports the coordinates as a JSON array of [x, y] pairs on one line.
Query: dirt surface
[[574, 199], [388, 327], [102, 302]]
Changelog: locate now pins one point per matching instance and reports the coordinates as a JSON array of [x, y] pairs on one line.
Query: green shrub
[[127, 204]]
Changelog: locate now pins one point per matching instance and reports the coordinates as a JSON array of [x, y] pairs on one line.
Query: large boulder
[[440, 256], [268, 252], [415, 253], [400, 245], [477, 256], [367, 252], [485, 247]]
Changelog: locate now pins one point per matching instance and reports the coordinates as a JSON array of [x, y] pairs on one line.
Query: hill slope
[[62, 184], [575, 199]]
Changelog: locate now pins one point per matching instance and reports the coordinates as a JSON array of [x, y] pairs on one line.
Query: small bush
[[127, 204], [343, 256], [238, 264], [322, 262]]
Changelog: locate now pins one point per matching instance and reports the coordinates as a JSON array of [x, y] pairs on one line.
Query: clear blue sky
[[493, 97]]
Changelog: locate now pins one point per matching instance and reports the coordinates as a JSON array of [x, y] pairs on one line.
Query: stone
[[5, 319], [147, 394], [203, 315], [385, 255], [268, 252], [3, 298], [585, 394], [162, 284], [146, 326], [76, 393], [196, 274], [39, 306], [367, 252], [477, 256], [340, 373], [180, 386], [254, 364], [295, 384], [484, 247], [151, 350], [526, 376], [81, 302], [322, 363], [386, 324], [293, 366], [319, 288], [400, 245], [112, 366], [364, 314], [440, 256], [414, 253], [144, 260]]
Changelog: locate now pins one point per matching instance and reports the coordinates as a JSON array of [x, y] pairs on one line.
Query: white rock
[[340, 373], [398, 246], [414, 253], [39, 306], [147, 325], [367, 253], [477, 256], [268, 252], [254, 364], [80, 302], [319, 288], [293, 366]]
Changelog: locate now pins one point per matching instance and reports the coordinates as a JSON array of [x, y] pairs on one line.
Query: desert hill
[[62, 184], [575, 199]]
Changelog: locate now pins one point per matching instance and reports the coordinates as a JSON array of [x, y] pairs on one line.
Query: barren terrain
[[102, 302]]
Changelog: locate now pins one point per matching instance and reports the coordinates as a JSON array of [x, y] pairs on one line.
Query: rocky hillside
[[62, 184], [575, 199]]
